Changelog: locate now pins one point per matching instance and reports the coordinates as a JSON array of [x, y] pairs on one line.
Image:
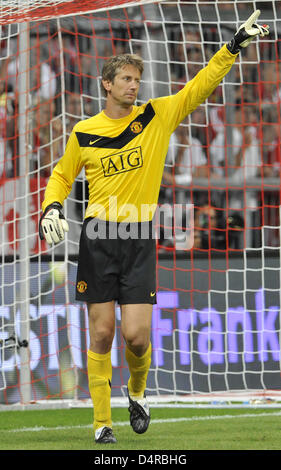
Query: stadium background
[[217, 324]]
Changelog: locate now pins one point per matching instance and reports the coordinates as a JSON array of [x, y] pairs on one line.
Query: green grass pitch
[[170, 429]]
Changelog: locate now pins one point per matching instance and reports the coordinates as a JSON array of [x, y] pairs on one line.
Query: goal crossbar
[[14, 11]]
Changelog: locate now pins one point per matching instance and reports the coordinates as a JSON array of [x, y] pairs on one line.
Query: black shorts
[[117, 269]]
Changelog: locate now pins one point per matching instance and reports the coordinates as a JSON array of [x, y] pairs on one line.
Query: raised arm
[[175, 108]]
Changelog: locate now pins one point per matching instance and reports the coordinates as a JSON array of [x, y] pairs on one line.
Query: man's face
[[125, 86]]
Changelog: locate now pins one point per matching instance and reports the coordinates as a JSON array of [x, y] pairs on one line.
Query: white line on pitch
[[154, 421]]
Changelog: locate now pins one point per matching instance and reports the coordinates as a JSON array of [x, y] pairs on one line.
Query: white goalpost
[[216, 328]]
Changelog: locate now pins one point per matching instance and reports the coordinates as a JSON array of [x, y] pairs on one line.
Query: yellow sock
[[138, 367], [99, 378]]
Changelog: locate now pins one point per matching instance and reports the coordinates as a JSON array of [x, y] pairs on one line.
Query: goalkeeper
[[123, 150]]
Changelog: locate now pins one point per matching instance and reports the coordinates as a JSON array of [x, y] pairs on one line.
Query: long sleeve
[[175, 108], [64, 173]]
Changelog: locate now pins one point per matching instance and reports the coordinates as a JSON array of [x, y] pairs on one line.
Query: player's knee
[[137, 342], [101, 339]]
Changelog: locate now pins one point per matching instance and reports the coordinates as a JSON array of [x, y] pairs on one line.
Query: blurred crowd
[[233, 138], [231, 142]]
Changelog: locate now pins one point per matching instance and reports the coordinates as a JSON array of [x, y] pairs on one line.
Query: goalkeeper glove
[[247, 32], [52, 224]]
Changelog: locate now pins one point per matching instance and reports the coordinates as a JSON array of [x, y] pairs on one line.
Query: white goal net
[[216, 328]]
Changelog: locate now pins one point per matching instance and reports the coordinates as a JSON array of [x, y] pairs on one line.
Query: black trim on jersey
[[118, 142]]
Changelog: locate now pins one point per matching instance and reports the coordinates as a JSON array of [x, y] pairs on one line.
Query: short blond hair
[[117, 62]]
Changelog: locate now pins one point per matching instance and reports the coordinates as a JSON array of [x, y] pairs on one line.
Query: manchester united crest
[[136, 127], [81, 286]]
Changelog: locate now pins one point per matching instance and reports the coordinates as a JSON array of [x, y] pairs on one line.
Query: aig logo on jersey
[[120, 162]]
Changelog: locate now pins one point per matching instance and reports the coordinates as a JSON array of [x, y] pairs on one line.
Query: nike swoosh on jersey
[[118, 142], [92, 142]]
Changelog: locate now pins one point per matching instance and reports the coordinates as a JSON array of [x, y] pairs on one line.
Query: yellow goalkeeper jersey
[[124, 158]]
